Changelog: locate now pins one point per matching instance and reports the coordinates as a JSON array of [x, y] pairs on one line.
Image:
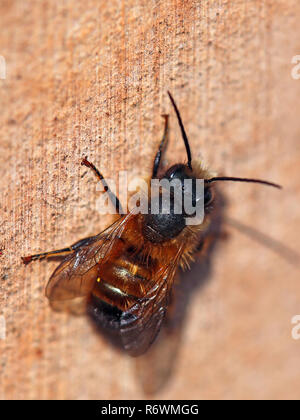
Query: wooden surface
[[90, 78]]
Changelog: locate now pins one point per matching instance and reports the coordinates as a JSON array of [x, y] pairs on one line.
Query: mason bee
[[125, 273]]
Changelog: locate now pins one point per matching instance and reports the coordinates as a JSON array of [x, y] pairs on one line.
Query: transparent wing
[[77, 273], [76, 306], [141, 323]]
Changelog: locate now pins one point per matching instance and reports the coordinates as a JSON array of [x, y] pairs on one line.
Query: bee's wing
[[77, 273], [76, 306], [141, 323]]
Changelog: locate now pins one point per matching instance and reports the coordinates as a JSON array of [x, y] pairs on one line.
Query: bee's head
[[182, 172], [161, 226], [181, 188]]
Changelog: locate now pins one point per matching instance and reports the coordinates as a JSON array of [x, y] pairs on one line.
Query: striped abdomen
[[124, 280]]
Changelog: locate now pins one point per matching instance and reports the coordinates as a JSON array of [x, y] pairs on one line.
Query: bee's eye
[[207, 196]]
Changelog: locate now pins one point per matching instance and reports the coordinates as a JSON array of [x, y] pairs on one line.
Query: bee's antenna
[[185, 139], [231, 178]]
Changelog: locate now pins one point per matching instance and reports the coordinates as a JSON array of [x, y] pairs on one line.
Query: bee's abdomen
[[123, 281], [106, 318]]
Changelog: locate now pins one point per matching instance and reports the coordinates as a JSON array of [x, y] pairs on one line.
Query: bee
[[125, 273]]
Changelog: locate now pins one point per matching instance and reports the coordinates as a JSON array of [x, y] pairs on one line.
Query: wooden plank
[[90, 78]]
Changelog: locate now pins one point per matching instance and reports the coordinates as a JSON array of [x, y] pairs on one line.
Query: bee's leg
[[59, 252], [160, 149], [114, 199], [206, 243]]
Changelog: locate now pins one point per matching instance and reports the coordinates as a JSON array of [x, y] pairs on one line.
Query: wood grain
[[90, 78]]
